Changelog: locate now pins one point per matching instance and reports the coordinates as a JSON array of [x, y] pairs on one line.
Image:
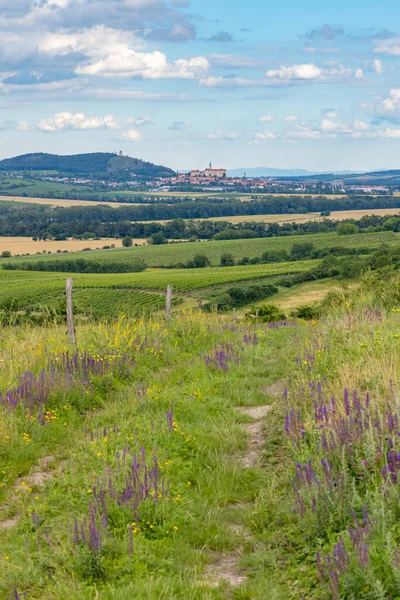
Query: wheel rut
[[224, 569]]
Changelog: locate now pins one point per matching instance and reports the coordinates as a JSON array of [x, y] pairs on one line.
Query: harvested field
[[24, 245], [63, 203], [339, 215]]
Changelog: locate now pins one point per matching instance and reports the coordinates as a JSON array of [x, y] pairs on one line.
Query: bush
[[5, 254], [347, 229], [267, 313], [227, 260], [307, 312], [157, 238], [127, 241], [199, 262], [301, 250]]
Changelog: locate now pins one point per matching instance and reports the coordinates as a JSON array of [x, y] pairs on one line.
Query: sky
[[311, 84]]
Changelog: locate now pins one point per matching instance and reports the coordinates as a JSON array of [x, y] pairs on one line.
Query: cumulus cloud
[[109, 53], [387, 109], [222, 135], [266, 119], [263, 136], [292, 118], [305, 71], [78, 121], [311, 72]]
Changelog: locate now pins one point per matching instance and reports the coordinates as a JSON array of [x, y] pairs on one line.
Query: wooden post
[[70, 311], [257, 315], [168, 303], [215, 308], [200, 303]]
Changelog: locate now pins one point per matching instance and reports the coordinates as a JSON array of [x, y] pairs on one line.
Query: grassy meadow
[[205, 458], [166, 255]]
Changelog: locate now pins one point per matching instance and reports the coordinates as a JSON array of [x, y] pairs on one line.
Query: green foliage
[[156, 239], [307, 312], [301, 250], [227, 260], [347, 229], [5, 254], [127, 241], [266, 313], [200, 261]]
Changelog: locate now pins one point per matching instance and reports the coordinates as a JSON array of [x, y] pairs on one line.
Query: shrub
[[347, 229], [307, 312], [199, 262], [127, 241], [227, 260], [267, 313]]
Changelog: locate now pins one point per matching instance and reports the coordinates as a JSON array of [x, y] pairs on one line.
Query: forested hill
[[84, 164]]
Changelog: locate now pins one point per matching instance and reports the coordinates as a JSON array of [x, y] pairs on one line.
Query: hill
[[84, 164]]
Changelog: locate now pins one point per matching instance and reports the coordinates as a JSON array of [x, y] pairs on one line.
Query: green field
[[172, 254], [109, 295]]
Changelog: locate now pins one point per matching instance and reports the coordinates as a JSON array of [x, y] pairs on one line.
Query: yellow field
[[24, 245], [339, 215], [55, 202]]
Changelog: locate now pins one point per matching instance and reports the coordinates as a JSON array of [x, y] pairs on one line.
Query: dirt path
[[225, 568]]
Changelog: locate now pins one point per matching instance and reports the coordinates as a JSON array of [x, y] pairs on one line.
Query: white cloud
[[22, 126], [266, 119], [132, 135], [311, 72], [390, 47], [390, 133], [219, 81], [360, 125], [139, 122], [109, 53], [262, 136], [378, 66], [305, 71], [78, 121], [221, 135], [292, 118]]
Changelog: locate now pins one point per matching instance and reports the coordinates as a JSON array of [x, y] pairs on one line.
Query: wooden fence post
[[215, 308], [168, 303], [70, 311], [200, 303]]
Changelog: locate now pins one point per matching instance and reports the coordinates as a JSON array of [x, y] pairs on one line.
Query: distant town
[[217, 179]]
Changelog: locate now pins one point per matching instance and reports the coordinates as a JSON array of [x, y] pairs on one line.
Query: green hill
[[84, 164]]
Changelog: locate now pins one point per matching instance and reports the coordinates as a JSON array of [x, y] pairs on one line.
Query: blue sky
[[181, 82]]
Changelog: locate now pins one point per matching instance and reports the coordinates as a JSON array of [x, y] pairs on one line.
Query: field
[[204, 459], [174, 253], [62, 203], [339, 215], [23, 245], [111, 295]]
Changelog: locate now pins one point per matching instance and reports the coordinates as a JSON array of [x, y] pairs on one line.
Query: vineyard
[[174, 253], [110, 295]]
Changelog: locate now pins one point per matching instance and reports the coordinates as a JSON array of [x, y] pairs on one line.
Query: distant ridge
[[84, 164], [269, 172]]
